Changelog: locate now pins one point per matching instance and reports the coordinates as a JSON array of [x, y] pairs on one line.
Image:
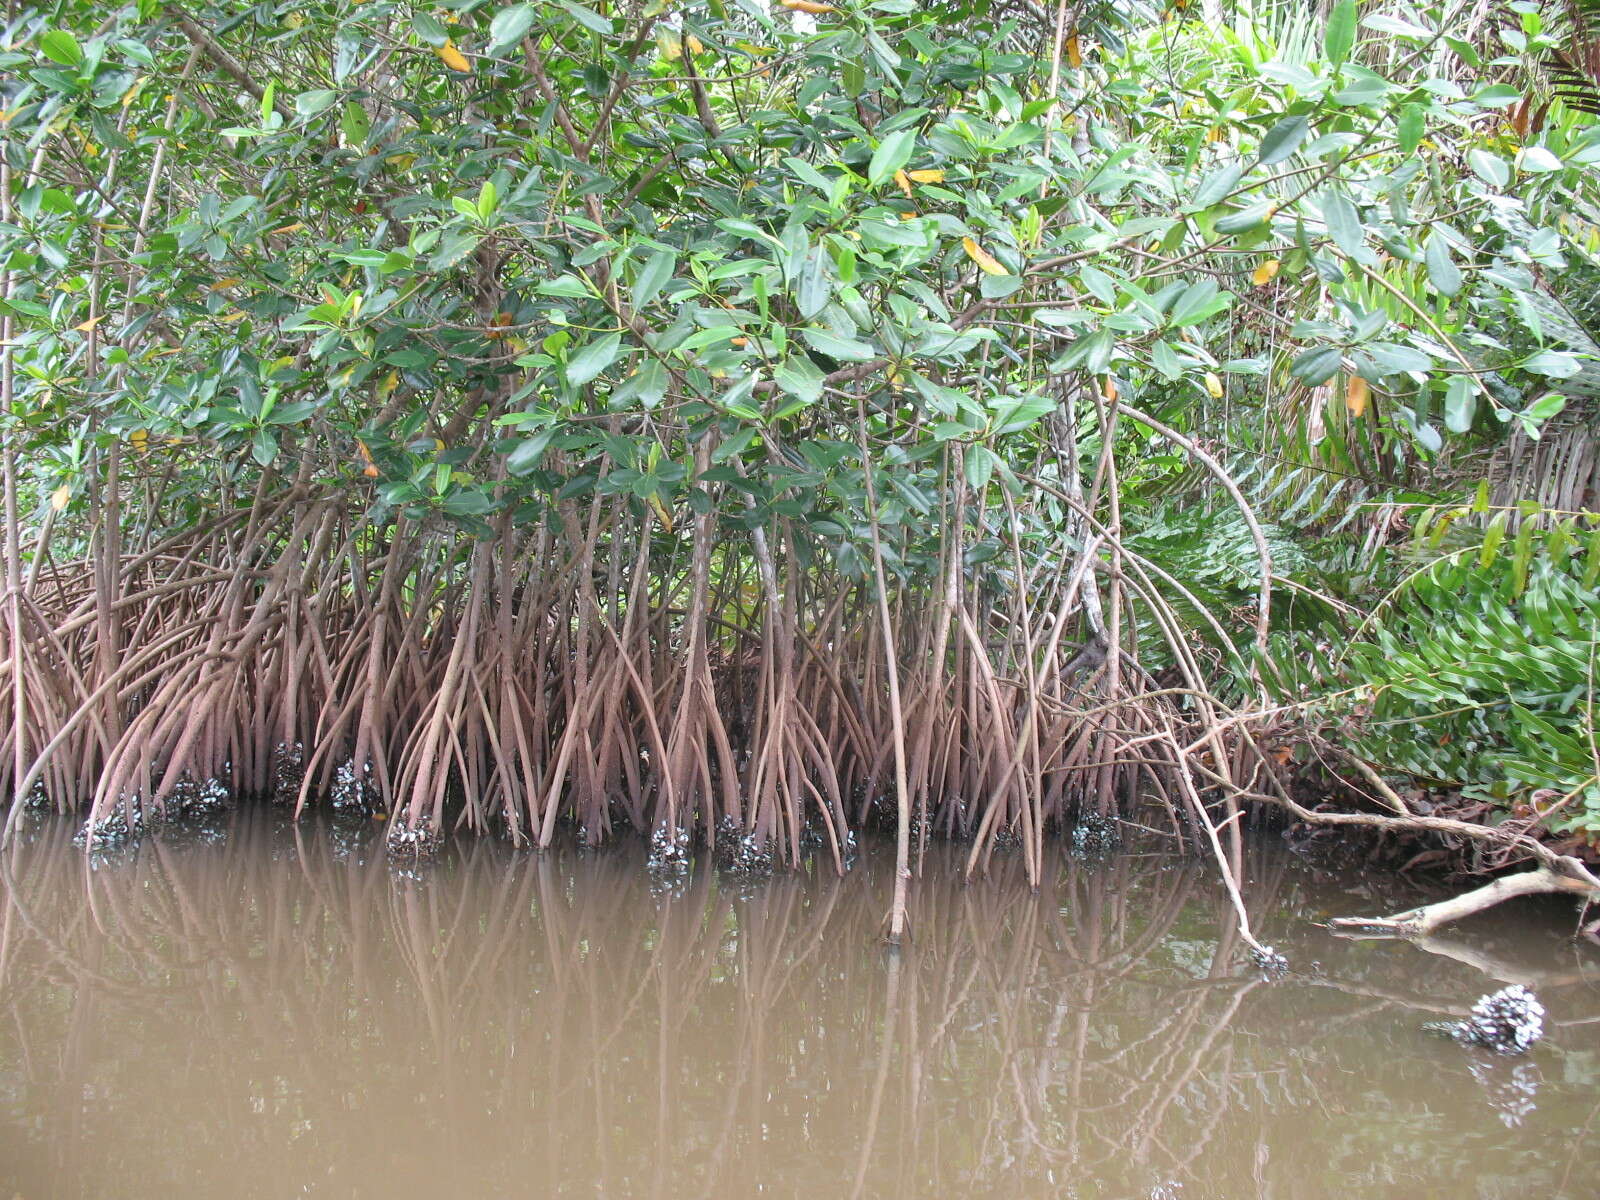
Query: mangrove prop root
[[588, 674]]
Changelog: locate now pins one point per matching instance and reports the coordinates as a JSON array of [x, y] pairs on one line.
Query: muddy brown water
[[260, 1010]]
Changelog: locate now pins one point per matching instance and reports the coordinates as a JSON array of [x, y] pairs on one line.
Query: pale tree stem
[[902, 833], [1428, 917]]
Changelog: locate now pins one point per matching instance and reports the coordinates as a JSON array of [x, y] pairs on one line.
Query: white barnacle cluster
[[1094, 835], [353, 790], [288, 769], [811, 836], [848, 850], [1508, 1021], [814, 839], [189, 799], [112, 830], [669, 850], [176, 803], [746, 855], [414, 842], [208, 799], [1272, 964], [740, 852]]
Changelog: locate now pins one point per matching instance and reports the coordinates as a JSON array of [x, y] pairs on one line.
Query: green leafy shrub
[[1479, 672]]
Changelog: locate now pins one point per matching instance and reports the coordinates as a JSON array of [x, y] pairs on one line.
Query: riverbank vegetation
[[759, 421]]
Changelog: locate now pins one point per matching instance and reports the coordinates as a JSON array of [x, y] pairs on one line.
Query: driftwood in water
[[1428, 917]]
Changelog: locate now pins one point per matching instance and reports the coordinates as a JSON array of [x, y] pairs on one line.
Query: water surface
[[261, 1010]]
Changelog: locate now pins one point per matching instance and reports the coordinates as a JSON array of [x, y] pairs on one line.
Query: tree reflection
[[277, 1010]]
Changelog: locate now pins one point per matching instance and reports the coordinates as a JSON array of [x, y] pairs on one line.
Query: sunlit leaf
[[452, 58], [1356, 394], [987, 262]]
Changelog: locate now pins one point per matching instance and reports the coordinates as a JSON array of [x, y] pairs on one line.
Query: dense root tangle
[[595, 671]]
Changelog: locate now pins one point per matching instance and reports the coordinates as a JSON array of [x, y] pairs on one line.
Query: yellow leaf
[[1264, 274], [232, 317], [695, 45], [808, 6], [926, 176], [668, 44], [903, 181], [453, 58], [230, 281], [60, 497], [661, 512], [1213, 385], [1356, 393], [1074, 52], [86, 326], [986, 261], [1108, 388], [293, 227]]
